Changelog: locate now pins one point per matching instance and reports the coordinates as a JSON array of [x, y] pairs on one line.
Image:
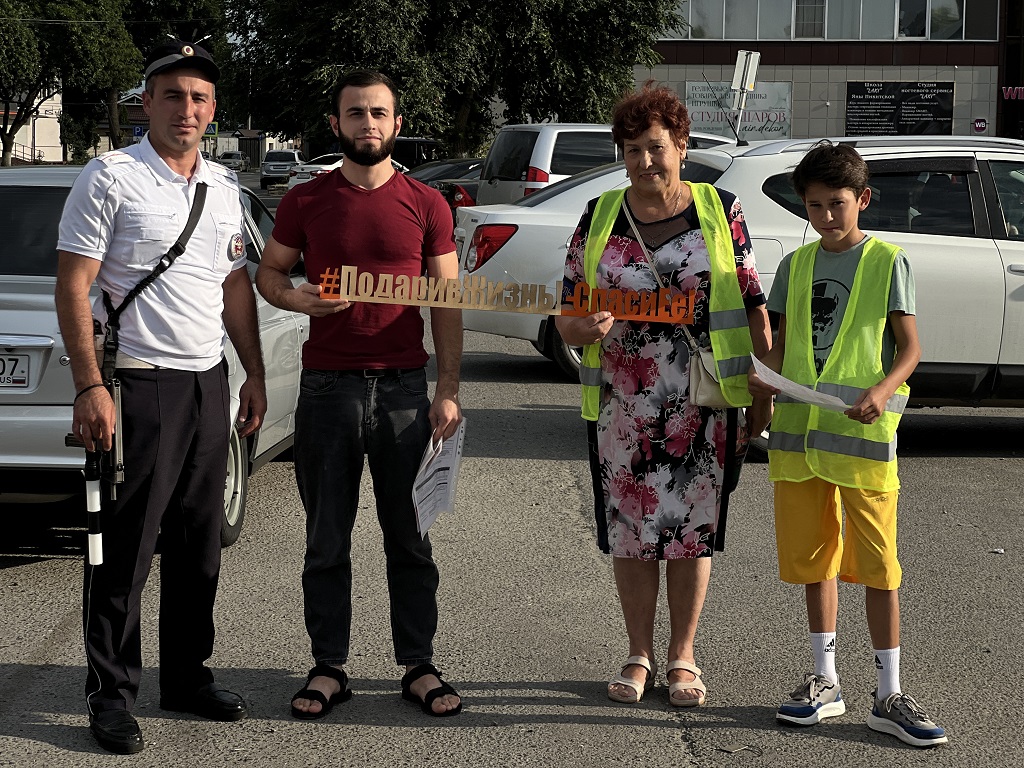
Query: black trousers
[[175, 428]]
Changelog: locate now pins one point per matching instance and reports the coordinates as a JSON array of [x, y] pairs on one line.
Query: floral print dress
[[660, 459]]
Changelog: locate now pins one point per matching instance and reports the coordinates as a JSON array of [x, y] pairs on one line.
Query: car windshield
[[280, 156], [231, 155], [29, 219]]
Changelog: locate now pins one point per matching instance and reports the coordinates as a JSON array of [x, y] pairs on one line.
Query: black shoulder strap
[[113, 315]]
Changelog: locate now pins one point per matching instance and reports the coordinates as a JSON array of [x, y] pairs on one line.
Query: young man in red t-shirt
[[364, 386]]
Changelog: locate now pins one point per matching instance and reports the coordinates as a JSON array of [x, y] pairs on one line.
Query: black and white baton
[[92, 506]]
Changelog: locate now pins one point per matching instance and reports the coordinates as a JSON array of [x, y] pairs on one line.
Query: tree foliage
[[459, 64], [47, 45]]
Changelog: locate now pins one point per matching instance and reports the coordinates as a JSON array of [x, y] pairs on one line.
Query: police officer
[[125, 211]]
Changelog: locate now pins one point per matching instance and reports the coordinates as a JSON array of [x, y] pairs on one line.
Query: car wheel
[[236, 489], [567, 357]]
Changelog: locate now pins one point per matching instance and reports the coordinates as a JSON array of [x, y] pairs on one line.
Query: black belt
[[377, 373]]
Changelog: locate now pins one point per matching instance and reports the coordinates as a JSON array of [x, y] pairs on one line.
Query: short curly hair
[[641, 109]]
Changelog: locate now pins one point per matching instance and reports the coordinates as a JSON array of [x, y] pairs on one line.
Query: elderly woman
[[658, 460]]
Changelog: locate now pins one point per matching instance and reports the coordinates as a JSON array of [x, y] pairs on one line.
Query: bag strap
[[657, 275], [110, 342]]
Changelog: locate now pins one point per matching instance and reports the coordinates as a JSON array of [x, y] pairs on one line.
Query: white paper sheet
[[433, 490], [798, 391]]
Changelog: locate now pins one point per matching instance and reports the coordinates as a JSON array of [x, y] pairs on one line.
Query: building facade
[[851, 67]]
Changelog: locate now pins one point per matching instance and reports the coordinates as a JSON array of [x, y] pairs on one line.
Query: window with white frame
[[809, 18], [838, 20]]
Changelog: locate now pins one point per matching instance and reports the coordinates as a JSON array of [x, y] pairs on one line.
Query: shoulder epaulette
[[115, 156]]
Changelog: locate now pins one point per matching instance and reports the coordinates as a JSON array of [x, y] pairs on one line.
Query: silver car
[[36, 389], [277, 164]]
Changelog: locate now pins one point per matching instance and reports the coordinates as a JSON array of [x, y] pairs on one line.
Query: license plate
[[13, 371], [302, 175]]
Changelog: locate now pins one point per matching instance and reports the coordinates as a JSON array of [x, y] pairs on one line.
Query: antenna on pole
[[743, 79]]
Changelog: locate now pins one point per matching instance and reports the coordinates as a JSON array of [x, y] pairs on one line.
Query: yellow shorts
[[810, 539]]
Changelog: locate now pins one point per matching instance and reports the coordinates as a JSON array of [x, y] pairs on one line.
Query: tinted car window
[[509, 156], [29, 219], [445, 169], [926, 203], [277, 156], [576, 151], [231, 155], [1009, 178]]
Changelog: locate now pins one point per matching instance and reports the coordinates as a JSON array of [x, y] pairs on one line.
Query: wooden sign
[[477, 292]]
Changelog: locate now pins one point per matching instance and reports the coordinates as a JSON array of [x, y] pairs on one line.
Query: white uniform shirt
[[126, 209]]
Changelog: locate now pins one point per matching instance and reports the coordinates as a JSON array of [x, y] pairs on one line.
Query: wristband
[[83, 391]]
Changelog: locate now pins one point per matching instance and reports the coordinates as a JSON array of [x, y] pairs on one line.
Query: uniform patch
[[237, 246]]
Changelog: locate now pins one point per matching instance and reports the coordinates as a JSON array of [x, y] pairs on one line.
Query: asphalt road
[[530, 626]]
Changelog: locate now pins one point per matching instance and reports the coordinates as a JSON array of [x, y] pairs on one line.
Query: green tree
[[47, 45], [452, 59]]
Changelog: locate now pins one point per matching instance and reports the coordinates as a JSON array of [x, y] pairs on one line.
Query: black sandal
[[434, 693], [326, 705]]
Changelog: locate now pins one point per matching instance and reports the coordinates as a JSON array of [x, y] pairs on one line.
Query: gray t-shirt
[[833, 279]]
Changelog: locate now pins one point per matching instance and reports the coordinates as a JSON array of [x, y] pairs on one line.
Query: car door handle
[[1017, 269]]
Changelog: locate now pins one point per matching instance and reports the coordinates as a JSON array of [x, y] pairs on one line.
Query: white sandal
[[639, 688], [694, 685]]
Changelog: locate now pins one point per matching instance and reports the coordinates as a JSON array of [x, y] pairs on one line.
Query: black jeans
[[342, 416]]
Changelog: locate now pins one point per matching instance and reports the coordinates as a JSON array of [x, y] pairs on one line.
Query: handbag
[[705, 390]]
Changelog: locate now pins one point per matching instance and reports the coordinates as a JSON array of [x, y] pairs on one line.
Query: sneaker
[[900, 716], [815, 699]]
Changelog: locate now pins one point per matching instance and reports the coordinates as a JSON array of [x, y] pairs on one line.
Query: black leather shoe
[[117, 731], [210, 701]]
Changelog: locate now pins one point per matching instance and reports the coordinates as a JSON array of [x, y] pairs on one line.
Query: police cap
[[177, 54]]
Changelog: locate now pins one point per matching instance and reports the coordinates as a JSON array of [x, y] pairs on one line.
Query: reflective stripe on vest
[[730, 332], [807, 441], [605, 213]]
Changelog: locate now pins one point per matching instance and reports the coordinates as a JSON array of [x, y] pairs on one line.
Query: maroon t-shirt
[[393, 229]]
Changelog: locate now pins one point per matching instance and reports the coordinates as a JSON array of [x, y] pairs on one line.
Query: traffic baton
[[92, 506]]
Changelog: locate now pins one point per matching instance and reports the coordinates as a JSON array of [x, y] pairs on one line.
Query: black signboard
[[899, 109]]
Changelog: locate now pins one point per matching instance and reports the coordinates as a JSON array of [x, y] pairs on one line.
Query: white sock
[[887, 663], [824, 646]]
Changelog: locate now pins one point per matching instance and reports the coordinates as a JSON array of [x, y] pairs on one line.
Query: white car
[[529, 157], [303, 172], [36, 390], [318, 166], [954, 203]]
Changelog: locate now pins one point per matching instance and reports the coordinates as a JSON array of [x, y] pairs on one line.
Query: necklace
[[654, 237]]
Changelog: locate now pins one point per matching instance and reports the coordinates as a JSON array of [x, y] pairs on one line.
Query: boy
[[847, 328]]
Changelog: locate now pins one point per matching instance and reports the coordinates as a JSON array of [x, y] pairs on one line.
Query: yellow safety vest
[[807, 441], [730, 331]]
